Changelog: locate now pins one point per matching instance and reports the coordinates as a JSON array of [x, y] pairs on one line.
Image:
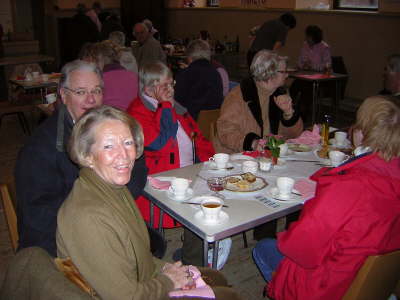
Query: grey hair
[[198, 49], [127, 60], [151, 73], [148, 24], [265, 65], [117, 37], [394, 63], [78, 65], [83, 133]]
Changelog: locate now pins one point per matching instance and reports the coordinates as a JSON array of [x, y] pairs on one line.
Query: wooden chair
[[9, 212], [7, 108], [376, 279], [204, 120]]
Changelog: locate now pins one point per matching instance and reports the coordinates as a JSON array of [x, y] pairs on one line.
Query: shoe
[[177, 255]]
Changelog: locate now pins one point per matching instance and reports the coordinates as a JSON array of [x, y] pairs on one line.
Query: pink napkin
[[159, 184], [201, 290], [306, 187], [308, 137]]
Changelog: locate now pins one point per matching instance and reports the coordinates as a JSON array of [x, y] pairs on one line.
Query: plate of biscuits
[[246, 182]]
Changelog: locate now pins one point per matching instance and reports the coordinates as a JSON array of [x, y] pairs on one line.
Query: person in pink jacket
[[354, 214]]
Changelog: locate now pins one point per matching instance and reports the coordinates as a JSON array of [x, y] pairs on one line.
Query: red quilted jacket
[[161, 147]]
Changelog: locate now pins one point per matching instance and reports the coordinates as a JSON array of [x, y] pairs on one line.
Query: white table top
[[245, 210]]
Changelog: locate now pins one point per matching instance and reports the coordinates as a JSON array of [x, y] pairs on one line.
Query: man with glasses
[[147, 49], [44, 173]]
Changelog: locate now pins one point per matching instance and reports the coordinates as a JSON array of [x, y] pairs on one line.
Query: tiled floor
[[240, 269]]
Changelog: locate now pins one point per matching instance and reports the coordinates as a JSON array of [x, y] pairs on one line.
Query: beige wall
[[364, 40]]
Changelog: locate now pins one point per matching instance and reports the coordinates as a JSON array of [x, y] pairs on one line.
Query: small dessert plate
[[223, 217], [188, 195], [211, 166]]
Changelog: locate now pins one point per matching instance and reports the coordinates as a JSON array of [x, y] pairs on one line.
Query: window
[[356, 4]]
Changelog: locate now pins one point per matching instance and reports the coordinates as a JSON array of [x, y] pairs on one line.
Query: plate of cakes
[[244, 183]]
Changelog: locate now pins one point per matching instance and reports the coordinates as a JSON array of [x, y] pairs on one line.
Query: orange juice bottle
[[325, 130]]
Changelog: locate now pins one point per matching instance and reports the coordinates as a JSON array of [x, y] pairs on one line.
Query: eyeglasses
[[168, 84], [283, 71], [96, 92]]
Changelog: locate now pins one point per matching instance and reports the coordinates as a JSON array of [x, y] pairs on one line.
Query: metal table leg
[[205, 253], [160, 222], [337, 97], [314, 102], [151, 214], [215, 255]]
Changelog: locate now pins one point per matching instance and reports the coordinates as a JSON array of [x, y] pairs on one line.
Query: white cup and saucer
[[337, 157], [340, 140], [211, 212], [284, 150], [180, 190], [284, 190], [220, 161]]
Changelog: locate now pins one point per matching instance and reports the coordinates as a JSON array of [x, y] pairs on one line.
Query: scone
[[232, 179], [250, 177], [243, 185]]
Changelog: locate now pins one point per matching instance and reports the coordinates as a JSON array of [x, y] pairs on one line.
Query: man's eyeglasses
[[283, 71], [96, 92]]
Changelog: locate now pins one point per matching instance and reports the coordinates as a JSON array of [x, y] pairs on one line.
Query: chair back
[[204, 120], [376, 279], [32, 274], [9, 212]]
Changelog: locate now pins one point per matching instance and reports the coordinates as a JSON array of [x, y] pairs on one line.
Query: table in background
[[244, 214], [8, 61], [43, 86], [316, 79]]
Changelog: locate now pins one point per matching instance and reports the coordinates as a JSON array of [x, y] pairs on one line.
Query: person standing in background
[[271, 35]]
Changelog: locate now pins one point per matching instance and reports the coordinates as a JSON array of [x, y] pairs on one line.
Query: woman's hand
[[179, 274], [284, 102], [163, 93]]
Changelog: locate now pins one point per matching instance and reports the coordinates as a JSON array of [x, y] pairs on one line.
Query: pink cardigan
[[120, 86]]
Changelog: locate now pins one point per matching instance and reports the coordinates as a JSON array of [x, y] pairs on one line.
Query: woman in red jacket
[[172, 138], [354, 214]]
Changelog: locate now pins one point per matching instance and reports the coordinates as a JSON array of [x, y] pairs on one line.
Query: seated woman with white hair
[[249, 113], [354, 214]]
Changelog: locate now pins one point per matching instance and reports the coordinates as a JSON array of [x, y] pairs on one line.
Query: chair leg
[[24, 123], [245, 245]]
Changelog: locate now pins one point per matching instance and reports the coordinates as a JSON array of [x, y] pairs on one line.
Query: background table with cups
[[245, 210]]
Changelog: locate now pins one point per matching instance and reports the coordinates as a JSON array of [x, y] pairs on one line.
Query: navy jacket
[[44, 176], [199, 87]]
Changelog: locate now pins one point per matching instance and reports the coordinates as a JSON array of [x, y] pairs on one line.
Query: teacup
[[284, 148], [285, 186], [45, 77], [265, 164], [50, 98], [220, 159], [340, 138], [179, 187], [250, 166], [337, 157], [211, 208]]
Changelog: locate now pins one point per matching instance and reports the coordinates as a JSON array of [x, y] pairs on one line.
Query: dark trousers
[[268, 230], [158, 244], [192, 249]]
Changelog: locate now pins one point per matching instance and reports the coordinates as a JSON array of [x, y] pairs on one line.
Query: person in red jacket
[[354, 214], [172, 140]]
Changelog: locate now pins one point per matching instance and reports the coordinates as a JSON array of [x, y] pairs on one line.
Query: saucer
[[171, 195], [273, 192], [223, 217], [212, 166], [347, 144]]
